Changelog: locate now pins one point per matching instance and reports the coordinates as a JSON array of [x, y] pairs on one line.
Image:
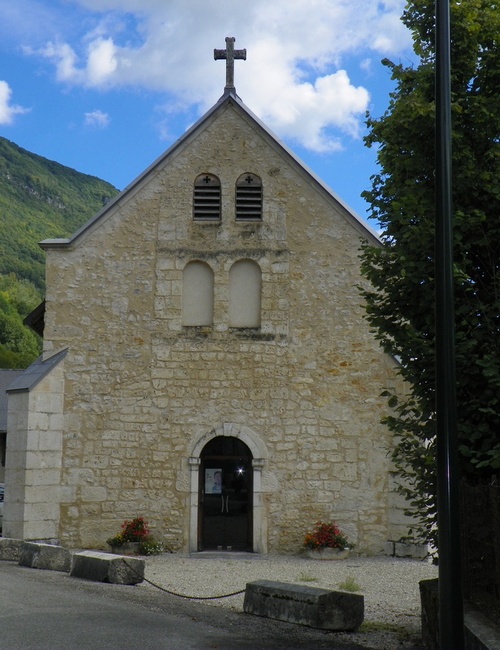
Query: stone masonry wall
[[33, 462], [139, 387]]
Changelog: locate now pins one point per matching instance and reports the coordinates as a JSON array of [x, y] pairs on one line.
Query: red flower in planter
[[326, 535]]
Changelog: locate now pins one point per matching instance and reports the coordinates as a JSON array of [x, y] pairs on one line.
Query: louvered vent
[[249, 198], [206, 198]]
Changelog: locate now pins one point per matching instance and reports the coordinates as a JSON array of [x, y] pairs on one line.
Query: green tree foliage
[[400, 302], [18, 344], [39, 199]]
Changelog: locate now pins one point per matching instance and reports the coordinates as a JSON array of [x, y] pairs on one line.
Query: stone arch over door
[[259, 454]]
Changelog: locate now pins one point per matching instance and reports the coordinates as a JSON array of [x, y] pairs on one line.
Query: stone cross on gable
[[230, 54]]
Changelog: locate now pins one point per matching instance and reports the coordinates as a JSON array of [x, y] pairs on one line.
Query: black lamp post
[[450, 582]]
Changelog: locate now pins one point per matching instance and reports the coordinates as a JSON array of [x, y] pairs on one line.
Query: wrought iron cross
[[230, 54]]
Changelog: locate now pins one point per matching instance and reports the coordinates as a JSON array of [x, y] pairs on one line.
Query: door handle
[[222, 497], [227, 505]]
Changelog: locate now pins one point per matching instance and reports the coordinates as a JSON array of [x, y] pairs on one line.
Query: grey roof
[[6, 378], [226, 98], [34, 373]]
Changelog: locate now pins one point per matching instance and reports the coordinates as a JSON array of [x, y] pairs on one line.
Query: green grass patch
[[349, 584], [305, 577]]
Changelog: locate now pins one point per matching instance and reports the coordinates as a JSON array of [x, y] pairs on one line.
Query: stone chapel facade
[[206, 362]]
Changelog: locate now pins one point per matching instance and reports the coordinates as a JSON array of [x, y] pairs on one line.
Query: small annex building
[[206, 362], [7, 376]]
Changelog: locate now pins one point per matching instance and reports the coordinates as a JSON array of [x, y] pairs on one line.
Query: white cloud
[[97, 118], [297, 50], [8, 110], [101, 61], [367, 65]]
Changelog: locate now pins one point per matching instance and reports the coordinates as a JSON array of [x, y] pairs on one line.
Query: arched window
[[248, 198], [245, 280], [197, 294], [206, 198]]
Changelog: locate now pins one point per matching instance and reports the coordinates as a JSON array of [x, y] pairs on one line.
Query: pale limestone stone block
[[319, 608], [42, 459], [56, 421], [79, 476], [39, 421], [94, 493], [34, 528], [42, 493], [45, 556], [40, 511], [410, 550], [51, 440], [10, 549], [105, 567]]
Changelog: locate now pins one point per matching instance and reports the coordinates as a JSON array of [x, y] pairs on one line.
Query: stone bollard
[[10, 549], [106, 567], [319, 608], [45, 556]]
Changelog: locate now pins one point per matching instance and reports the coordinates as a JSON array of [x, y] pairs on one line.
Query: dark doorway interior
[[226, 496]]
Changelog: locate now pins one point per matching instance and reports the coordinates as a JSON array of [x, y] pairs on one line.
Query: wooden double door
[[225, 506]]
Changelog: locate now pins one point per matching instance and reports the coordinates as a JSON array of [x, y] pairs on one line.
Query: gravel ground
[[389, 586]]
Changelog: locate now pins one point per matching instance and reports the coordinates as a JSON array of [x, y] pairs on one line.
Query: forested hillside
[[39, 199]]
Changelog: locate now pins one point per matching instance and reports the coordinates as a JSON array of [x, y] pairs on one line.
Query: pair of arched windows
[[245, 280], [207, 198]]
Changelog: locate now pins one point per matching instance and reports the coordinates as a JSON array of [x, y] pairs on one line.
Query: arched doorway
[[225, 495]]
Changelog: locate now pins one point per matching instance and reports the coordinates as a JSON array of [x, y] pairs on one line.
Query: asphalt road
[[48, 610]]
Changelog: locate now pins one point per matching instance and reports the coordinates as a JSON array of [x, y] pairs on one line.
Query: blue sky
[[105, 86]]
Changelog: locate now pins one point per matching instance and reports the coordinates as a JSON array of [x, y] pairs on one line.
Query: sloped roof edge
[[226, 98], [36, 319], [365, 226], [34, 373]]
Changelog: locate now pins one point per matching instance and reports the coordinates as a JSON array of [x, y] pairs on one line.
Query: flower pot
[[128, 548], [328, 553]]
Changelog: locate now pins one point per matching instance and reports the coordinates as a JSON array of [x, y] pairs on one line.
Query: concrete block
[[107, 567], [429, 600], [45, 556], [389, 549], [417, 551], [406, 549], [10, 549], [318, 608], [480, 633]]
